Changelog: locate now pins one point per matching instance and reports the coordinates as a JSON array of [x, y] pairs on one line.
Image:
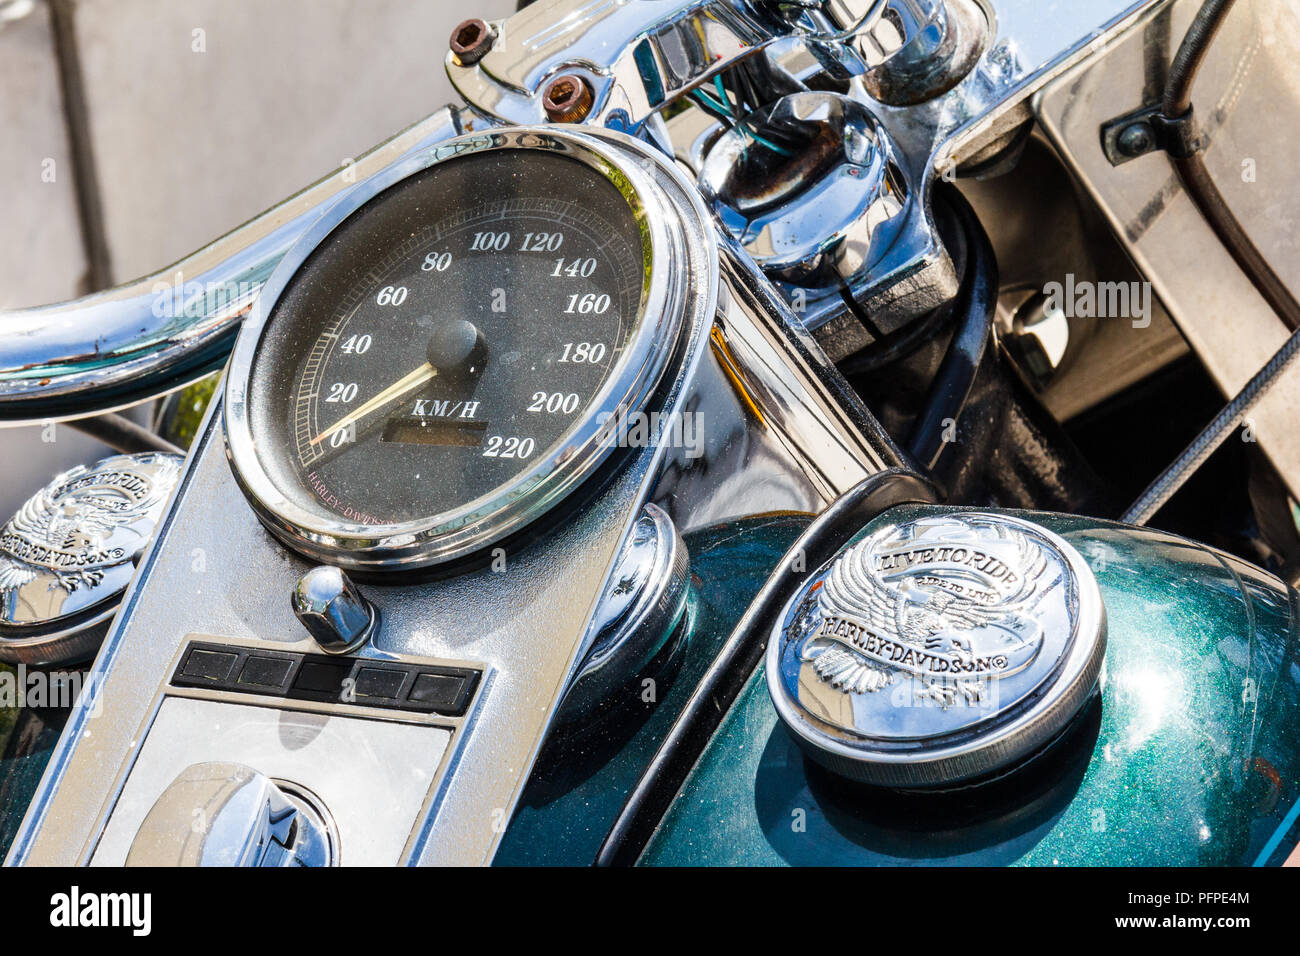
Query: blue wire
[[722, 93], [701, 96]]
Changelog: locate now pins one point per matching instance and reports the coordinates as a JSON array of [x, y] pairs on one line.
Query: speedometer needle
[[406, 383]]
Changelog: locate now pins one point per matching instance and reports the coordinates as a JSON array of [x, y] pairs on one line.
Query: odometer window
[[448, 335]]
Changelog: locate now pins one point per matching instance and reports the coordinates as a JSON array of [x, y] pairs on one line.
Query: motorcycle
[[730, 434]]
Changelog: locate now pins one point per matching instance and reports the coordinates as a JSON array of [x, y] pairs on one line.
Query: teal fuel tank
[[1182, 748]]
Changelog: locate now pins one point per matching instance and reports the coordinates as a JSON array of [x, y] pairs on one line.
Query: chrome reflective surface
[[818, 215], [143, 339], [217, 780], [779, 431], [1024, 50], [938, 649], [69, 553], [782, 433], [780, 373], [1021, 50], [1191, 757], [500, 511], [334, 612], [637, 56], [642, 606], [922, 48], [226, 814]]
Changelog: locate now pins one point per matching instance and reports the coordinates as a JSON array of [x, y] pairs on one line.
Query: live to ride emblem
[[938, 649], [68, 554]]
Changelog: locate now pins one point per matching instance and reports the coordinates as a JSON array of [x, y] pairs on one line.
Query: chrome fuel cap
[[939, 649], [68, 554]]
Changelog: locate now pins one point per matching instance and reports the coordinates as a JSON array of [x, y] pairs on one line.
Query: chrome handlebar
[[142, 339], [147, 337]]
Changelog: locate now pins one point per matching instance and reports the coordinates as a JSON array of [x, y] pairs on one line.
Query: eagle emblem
[[84, 522], [947, 603]]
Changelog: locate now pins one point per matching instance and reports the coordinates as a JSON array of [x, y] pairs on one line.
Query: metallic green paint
[[1190, 757], [27, 739], [586, 771]]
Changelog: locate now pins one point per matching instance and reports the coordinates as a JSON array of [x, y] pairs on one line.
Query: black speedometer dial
[[446, 338]]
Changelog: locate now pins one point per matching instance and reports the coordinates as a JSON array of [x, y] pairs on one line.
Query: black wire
[[1213, 435], [745, 91], [1195, 177], [742, 101], [1200, 188], [975, 305], [708, 107], [1177, 99]]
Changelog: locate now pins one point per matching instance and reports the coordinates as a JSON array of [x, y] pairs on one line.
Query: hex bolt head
[[471, 40], [567, 99]]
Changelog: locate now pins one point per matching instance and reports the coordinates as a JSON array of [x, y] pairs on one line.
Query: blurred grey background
[[135, 131]]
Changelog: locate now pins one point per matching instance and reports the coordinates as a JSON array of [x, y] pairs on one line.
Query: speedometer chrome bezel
[[584, 447]]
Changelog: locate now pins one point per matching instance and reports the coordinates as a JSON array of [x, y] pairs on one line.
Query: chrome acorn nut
[[333, 611]]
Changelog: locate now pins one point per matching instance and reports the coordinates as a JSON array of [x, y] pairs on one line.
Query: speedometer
[[442, 359]]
